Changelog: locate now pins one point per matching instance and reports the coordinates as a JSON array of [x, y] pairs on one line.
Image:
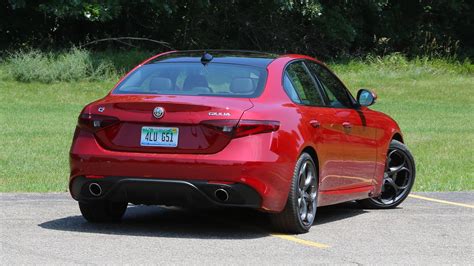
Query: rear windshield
[[213, 79]]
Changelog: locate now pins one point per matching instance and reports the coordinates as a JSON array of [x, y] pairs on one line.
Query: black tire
[[103, 211], [381, 202], [289, 220]]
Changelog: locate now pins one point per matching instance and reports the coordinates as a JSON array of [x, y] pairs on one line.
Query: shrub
[[72, 65], [396, 63], [79, 64]]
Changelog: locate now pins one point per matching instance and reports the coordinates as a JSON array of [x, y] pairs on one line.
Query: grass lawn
[[433, 106]]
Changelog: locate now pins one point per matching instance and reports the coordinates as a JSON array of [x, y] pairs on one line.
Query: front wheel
[[398, 180], [102, 211], [300, 210]]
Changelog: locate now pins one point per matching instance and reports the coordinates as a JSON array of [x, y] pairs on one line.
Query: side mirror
[[366, 97]]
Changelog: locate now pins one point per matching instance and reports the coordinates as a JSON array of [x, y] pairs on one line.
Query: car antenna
[[206, 58]]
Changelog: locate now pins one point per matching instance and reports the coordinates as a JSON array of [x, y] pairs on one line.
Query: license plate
[[159, 136]]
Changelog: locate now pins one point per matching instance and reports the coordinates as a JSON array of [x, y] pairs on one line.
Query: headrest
[[242, 85], [193, 81], [160, 84]]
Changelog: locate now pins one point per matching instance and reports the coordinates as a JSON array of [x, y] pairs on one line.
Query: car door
[[359, 131], [320, 122]]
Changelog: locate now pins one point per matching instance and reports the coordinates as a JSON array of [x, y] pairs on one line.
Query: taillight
[[94, 122], [236, 129], [225, 126], [252, 127]]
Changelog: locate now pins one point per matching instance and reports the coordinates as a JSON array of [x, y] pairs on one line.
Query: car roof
[[242, 57]]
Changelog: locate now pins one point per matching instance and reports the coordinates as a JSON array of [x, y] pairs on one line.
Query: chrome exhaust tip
[[95, 189], [221, 194]]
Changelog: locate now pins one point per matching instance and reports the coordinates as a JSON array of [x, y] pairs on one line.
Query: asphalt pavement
[[428, 228]]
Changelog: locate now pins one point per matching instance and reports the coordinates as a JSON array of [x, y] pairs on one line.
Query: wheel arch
[[397, 136], [314, 155]]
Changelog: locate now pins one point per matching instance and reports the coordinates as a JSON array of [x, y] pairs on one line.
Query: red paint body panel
[[351, 162]]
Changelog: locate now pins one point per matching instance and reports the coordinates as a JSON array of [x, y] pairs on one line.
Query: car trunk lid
[[201, 124]]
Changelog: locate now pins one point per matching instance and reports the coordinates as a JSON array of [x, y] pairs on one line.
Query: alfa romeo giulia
[[278, 133]]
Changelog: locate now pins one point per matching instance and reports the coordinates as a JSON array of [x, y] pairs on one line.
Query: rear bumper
[[253, 161], [164, 192]]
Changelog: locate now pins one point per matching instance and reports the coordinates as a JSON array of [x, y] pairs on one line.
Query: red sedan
[[278, 133]]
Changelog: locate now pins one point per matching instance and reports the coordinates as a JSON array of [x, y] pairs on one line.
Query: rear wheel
[[103, 211], [398, 179], [300, 210]]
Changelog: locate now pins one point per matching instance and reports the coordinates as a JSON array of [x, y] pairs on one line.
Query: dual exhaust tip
[[220, 194], [95, 189]]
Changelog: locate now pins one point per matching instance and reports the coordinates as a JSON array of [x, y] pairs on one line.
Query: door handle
[[347, 125], [315, 123]]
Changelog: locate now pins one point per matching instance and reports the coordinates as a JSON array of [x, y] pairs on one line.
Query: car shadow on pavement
[[328, 214], [231, 223]]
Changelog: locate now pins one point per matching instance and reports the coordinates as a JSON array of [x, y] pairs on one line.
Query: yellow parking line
[[441, 201], [300, 241]]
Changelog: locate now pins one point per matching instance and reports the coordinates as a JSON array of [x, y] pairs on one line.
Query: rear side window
[[290, 89], [297, 79], [213, 79], [336, 92]]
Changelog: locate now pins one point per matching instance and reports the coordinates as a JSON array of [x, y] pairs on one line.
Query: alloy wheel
[[307, 193], [398, 177]]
